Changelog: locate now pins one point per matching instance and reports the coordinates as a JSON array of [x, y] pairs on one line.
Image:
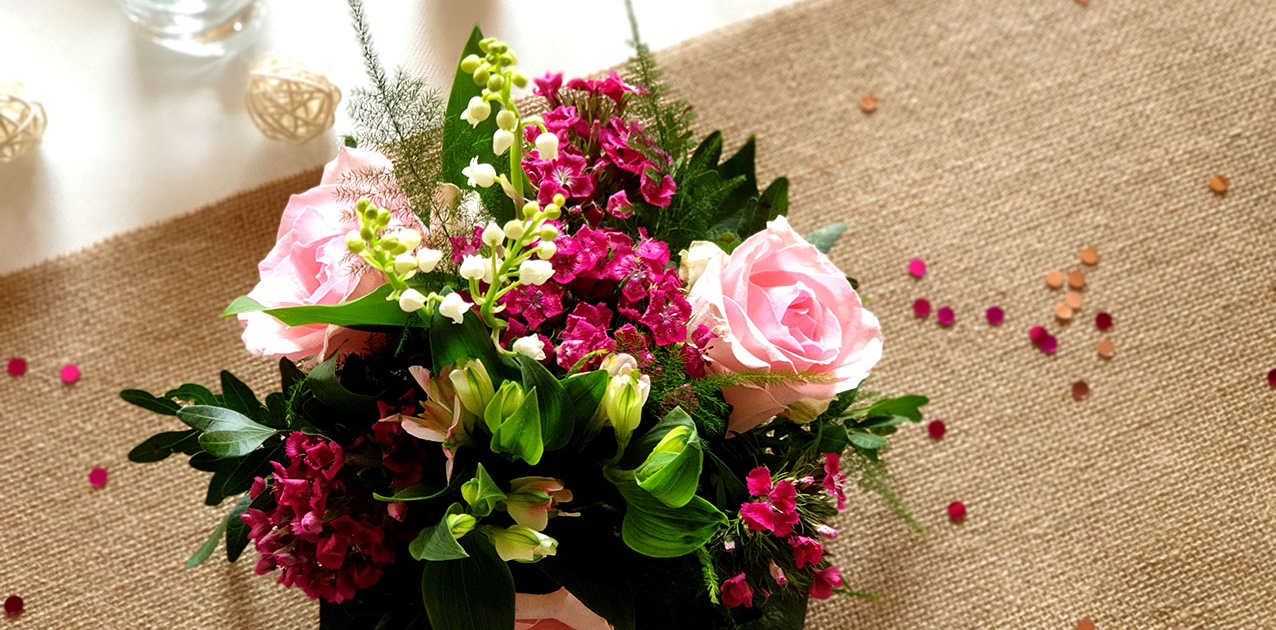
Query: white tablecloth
[[137, 134]]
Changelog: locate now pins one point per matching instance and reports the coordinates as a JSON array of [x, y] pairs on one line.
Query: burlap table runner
[[1008, 136]]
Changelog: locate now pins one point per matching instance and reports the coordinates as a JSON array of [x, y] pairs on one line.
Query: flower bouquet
[[545, 362]]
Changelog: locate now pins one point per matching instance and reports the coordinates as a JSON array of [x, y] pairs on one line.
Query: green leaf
[[239, 397], [436, 542], [372, 309], [418, 492], [473, 593], [833, 438], [824, 238], [556, 429], [239, 477], [234, 443], [150, 402], [657, 530], [161, 445], [906, 406], [452, 343], [208, 418], [741, 165], [486, 493], [775, 199], [190, 392], [671, 474], [582, 395], [520, 434], [593, 568], [289, 375], [237, 529], [462, 142], [780, 613], [205, 550], [325, 385], [867, 441]]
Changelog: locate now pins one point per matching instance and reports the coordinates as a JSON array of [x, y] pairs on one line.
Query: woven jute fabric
[[1008, 136]]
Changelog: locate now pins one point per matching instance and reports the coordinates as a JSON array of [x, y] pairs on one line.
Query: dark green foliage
[[461, 142], [668, 120], [593, 567], [472, 593]]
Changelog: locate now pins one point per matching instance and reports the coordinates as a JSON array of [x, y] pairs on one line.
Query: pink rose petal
[[97, 477], [916, 267], [70, 373]]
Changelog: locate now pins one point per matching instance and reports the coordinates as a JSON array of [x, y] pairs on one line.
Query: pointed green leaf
[[556, 428], [150, 402], [581, 396], [192, 393], [325, 385], [205, 550], [371, 310], [657, 530], [208, 418], [436, 542], [161, 445], [671, 472], [472, 593], [482, 493], [520, 434], [867, 441], [452, 343], [234, 443], [239, 397], [237, 529], [824, 238]]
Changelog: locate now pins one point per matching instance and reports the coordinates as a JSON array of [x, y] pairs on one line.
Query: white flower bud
[[482, 175], [535, 272], [473, 267], [411, 301], [354, 241], [502, 140], [427, 259], [548, 232], [695, 259], [454, 307], [514, 229], [547, 146], [477, 111], [404, 263], [546, 250], [620, 364], [492, 234], [506, 120], [530, 346], [410, 238]]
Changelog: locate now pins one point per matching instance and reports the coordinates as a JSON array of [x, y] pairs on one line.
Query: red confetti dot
[[1103, 320], [936, 429], [1271, 378], [956, 510], [921, 307], [945, 316], [70, 373], [1038, 334], [13, 605], [97, 477], [17, 366], [916, 267], [995, 315], [1049, 344]]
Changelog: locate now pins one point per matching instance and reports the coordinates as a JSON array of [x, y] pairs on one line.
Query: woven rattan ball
[[22, 122], [288, 101]]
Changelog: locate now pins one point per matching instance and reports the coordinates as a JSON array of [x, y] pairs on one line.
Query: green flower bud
[[460, 524], [523, 544], [389, 242], [473, 386], [623, 401], [361, 206], [354, 242], [495, 83], [470, 63], [506, 120], [369, 213], [560, 200], [383, 217], [552, 211], [366, 233], [508, 58], [497, 47], [519, 79], [486, 43], [548, 232], [503, 404], [482, 75], [530, 209]]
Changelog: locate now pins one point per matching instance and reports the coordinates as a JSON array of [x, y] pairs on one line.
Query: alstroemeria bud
[[675, 441], [546, 250], [505, 119], [523, 544], [470, 63], [473, 385], [619, 364], [460, 524], [493, 234], [530, 346], [354, 242], [473, 267], [547, 146], [404, 263], [411, 301], [503, 404], [531, 498], [427, 259], [481, 175], [623, 403], [514, 229], [454, 307], [535, 272], [502, 140]]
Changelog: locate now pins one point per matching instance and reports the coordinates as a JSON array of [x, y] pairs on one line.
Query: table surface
[[138, 134]]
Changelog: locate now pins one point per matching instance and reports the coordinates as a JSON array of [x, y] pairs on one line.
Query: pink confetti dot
[[1049, 344], [97, 477], [13, 606], [17, 366], [70, 373], [921, 307], [1271, 378], [1038, 334], [956, 510], [936, 429], [945, 316], [916, 267], [995, 315], [1103, 320]]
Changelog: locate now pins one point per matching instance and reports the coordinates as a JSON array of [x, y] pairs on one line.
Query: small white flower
[[502, 140], [410, 238], [506, 120], [535, 272], [427, 259], [473, 267], [514, 229], [482, 175], [530, 346], [492, 234], [454, 306], [477, 111], [411, 301], [547, 145], [404, 263], [546, 250]]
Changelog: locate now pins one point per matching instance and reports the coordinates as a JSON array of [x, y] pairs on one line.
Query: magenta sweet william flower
[[658, 190], [777, 512], [835, 479], [737, 592], [401, 454], [825, 581], [463, 246], [693, 352], [548, 86], [667, 314], [612, 87], [585, 332], [618, 205], [566, 175], [806, 550], [534, 303], [633, 342]]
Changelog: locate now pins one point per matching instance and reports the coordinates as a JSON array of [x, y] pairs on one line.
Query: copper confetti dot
[[945, 316], [1106, 348], [1076, 279], [1085, 624], [921, 308], [995, 315], [1054, 278], [1063, 311], [1103, 320], [1080, 390], [12, 606], [97, 477], [17, 366], [70, 373], [936, 429], [868, 103], [1073, 300], [956, 510], [1089, 255], [1218, 184], [1271, 378]]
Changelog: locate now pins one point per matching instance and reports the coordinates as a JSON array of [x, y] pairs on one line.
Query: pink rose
[[779, 305], [309, 265], [559, 610]]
